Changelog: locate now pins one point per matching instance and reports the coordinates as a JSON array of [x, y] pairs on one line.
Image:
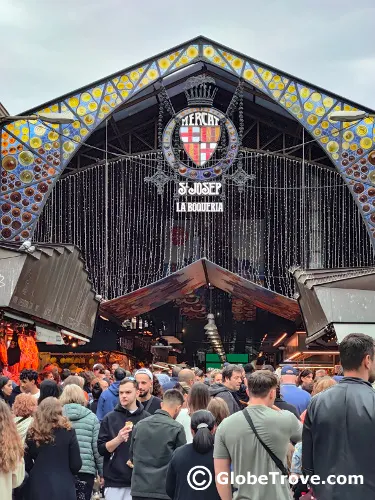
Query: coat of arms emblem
[[192, 139]]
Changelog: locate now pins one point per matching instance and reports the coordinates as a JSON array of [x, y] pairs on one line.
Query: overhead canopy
[[341, 298], [50, 285], [183, 282]]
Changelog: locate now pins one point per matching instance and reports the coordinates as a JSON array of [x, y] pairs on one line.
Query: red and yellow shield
[[200, 142]]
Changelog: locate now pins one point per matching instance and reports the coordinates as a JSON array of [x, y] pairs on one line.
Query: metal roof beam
[[116, 130], [271, 140]]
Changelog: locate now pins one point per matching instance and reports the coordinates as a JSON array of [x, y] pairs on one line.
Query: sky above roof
[[52, 48]]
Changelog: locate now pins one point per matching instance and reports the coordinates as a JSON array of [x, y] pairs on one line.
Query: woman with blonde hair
[[320, 385], [86, 425], [52, 454], [12, 469]]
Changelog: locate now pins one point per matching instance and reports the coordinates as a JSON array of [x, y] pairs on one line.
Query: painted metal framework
[[34, 154]]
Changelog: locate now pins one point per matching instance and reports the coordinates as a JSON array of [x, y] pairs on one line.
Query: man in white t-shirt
[[29, 383]]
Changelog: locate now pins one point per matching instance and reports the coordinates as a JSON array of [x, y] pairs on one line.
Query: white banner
[[49, 336]]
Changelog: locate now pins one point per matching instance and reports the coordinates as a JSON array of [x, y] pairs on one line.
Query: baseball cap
[[144, 371], [288, 370]]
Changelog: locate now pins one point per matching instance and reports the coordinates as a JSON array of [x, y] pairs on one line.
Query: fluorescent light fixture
[[336, 353], [294, 356], [19, 318], [279, 340], [75, 335], [347, 116]]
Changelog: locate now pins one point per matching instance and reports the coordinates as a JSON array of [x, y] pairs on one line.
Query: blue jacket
[[107, 401], [295, 396]]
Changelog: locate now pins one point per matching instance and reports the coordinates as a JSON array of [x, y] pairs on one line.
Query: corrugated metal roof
[[50, 284], [335, 296]]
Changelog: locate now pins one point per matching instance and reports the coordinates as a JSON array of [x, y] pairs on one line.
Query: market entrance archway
[[34, 156]]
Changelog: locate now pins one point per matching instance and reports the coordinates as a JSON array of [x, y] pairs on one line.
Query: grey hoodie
[[220, 391]]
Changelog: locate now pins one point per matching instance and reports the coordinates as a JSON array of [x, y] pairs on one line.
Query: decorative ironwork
[[160, 179], [199, 90], [166, 102], [240, 178], [233, 105]]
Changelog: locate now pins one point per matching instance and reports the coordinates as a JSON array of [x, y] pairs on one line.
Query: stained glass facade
[[34, 154]]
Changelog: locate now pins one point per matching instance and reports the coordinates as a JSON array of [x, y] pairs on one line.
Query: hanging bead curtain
[[264, 230]]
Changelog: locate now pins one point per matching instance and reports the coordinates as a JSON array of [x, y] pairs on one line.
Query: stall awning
[[172, 340], [49, 284], [341, 298], [188, 279]]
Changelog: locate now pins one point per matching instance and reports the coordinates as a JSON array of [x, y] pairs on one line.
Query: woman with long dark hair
[[198, 454], [197, 399], [48, 389], [96, 392], [6, 389], [157, 390], [52, 454], [305, 378]]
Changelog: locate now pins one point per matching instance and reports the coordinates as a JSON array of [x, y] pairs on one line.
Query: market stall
[[45, 298], [85, 361]]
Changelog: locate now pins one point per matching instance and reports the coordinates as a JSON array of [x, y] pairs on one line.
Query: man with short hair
[[238, 448], [187, 376], [339, 428], [114, 442], [153, 442], [216, 377], [249, 369], [145, 381], [109, 398], [290, 392], [232, 379], [173, 380], [29, 383]]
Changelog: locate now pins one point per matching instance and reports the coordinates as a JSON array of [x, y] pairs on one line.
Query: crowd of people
[[137, 436]]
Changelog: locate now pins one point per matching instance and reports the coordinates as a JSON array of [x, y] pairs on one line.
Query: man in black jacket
[[232, 379], [114, 442], [152, 445], [339, 429], [145, 380]]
